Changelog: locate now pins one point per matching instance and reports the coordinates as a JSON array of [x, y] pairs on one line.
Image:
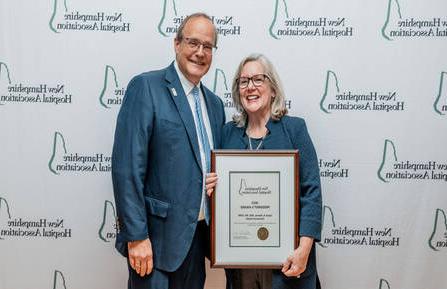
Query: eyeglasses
[[195, 44], [257, 80]]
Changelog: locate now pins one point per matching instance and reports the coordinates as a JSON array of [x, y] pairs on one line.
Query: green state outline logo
[[430, 240], [103, 91], [384, 281], [163, 16], [8, 211], [104, 217], [53, 154], [275, 16], [325, 207], [53, 14], [326, 89], [216, 75], [382, 164], [8, 75], [438, 98], [3, 64], [56, 273], [387, 20]]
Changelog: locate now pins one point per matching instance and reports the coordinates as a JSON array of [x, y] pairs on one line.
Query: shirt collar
[[186, 84]]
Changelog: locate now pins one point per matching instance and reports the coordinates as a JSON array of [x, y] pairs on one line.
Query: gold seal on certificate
[[263, 233]]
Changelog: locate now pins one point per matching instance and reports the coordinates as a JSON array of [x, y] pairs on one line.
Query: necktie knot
[[195, 93]]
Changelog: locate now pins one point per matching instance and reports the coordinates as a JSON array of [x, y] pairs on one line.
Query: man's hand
[[140, 256], [297, 262], [210, 183]]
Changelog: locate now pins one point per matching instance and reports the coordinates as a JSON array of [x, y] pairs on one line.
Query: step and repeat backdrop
[[369, 77]]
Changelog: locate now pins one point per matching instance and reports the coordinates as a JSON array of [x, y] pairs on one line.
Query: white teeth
[[196, 62], [251, 97]]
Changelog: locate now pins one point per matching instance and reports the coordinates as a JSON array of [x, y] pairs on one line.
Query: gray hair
[[179, 35], [278, 107]]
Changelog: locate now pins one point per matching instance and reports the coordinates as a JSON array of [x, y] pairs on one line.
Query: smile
[[196, 62], [252, 97]]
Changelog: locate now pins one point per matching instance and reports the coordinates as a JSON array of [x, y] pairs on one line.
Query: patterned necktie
[[203, 136]]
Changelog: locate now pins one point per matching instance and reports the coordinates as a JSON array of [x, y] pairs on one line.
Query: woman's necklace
[[250, 146], [259, 144]]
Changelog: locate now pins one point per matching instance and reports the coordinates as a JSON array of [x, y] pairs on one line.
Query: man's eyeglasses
[[195, 44], [257, 80]]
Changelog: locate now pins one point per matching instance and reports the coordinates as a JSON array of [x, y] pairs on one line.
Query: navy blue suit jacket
[[156, 167]]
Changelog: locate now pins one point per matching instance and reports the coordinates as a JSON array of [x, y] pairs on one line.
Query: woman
[[261, 123]]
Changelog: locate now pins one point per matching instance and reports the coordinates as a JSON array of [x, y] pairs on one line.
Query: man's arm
[[129, 164]]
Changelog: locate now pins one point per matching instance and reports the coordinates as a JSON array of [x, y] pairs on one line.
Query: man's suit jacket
[[156, 167]]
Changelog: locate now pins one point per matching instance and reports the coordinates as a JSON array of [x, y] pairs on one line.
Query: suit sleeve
[[310, 186], [129, 160]]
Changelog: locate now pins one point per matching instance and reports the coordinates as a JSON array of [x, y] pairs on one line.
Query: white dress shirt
[[187, 88]]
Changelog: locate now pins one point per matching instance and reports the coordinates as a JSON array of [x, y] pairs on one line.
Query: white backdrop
[[369, 77]]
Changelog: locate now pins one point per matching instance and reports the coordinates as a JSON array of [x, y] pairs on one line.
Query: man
[[166, 127]]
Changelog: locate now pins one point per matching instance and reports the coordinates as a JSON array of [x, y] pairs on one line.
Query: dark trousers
[[251, 279], [275, 279], [190, 274], [268, 279]]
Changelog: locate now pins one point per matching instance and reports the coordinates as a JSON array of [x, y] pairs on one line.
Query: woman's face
[[256, 100]]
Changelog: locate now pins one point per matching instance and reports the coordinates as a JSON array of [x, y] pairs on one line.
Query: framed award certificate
[[254, 208]]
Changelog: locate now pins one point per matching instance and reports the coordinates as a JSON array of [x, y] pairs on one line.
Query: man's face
[[195, 62]]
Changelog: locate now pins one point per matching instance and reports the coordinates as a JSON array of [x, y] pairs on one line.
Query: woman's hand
[[210, 183], [297, 262]]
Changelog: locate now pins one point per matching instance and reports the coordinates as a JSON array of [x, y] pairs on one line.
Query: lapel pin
[[174, 93]]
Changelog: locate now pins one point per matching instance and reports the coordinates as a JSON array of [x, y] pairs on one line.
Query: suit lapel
[[181, 102]]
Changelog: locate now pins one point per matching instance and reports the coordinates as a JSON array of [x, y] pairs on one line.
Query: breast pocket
[[171, 130]]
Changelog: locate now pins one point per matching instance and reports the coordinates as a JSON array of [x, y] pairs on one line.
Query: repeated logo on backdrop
[[63, 19], [222, 88], [170, 20], [14, 227], [366, 236], [393, 168], [438, 238], [384, 284], [111, 94], [5, 78], [284, 25], [108, 229], [63, 160], [336, 99], [440, 104], [398, 25], [5, 214], [12, 91], [328, 223], [59, 280]]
